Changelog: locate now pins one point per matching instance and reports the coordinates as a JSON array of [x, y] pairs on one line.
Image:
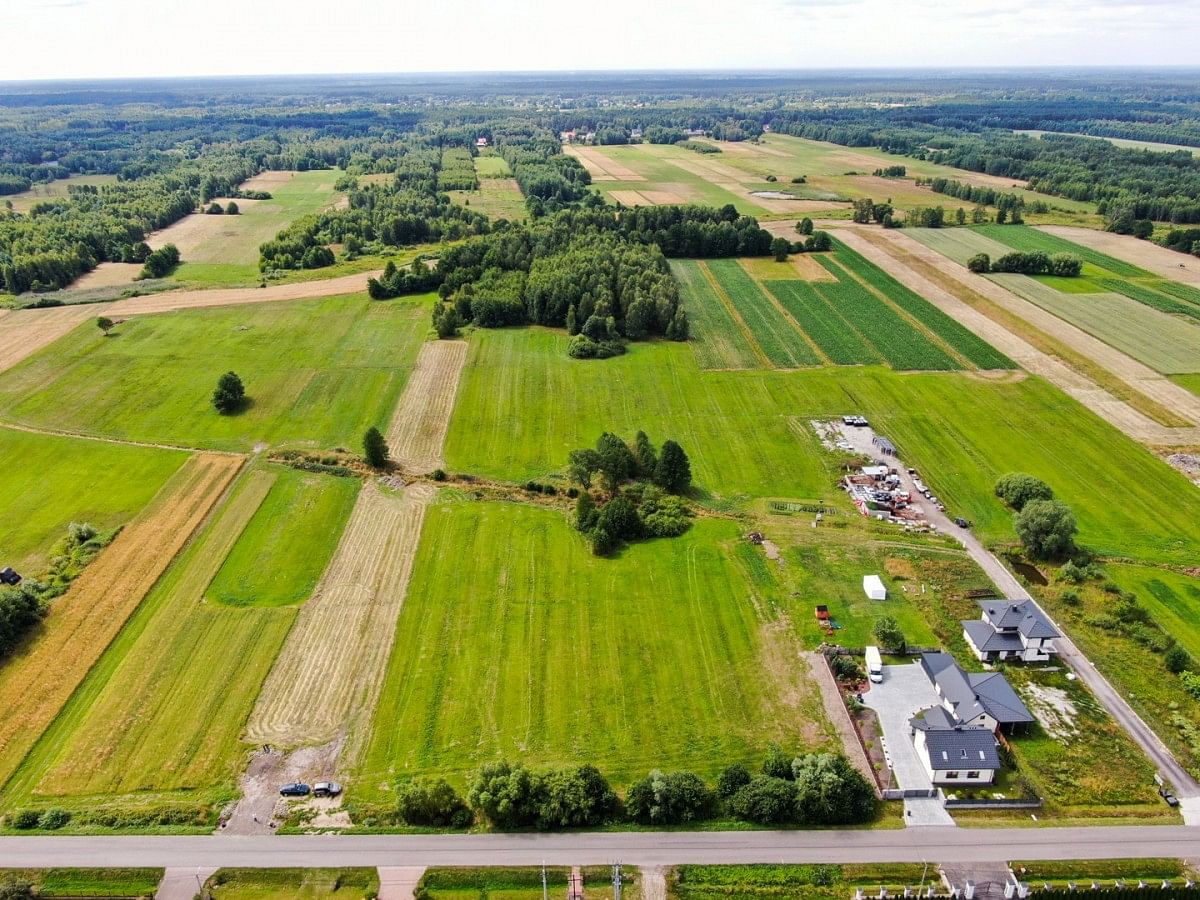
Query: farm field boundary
[[1141, 254], [417, 432], [781, 341], [905, 258], [717, 338], [35, 683]]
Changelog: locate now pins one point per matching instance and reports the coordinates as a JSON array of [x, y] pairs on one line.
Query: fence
[[911, 794], [995, 803]]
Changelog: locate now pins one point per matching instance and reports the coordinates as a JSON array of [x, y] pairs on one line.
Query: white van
[[874, 664]]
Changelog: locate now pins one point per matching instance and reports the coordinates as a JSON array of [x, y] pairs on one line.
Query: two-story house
[[1011, 629]]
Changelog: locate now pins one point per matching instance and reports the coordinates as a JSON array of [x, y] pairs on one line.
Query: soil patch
[[1149, 256], [261, 809], [107, 274], [1053, 708]]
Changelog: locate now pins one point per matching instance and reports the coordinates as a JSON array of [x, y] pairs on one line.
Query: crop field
[[780, 340], [498, 196], [836, 338], [522, 644], [962, 432], [316, 371], [50, 482], [719, 340], [417, 433], [35, 683]]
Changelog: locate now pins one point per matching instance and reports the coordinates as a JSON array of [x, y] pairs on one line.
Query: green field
[[521, 644], [292, 884], [1191, 382], [716, 337], [490, 164], [812, 882], [282, 552], [45, 193], [164, 708], [780, 340], [88, 882], [225, 251], [496, 198], [508, 883], [318, 373], [747, 434], [1172, 598], [1156, 146], [50, 482], [820, 319]]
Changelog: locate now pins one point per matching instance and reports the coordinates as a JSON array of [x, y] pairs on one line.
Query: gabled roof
[[971, 695], [1023, 615], [934, 718], [987, 638], [961, 748]]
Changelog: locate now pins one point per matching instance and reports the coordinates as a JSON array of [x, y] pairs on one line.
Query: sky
[[133, 38]]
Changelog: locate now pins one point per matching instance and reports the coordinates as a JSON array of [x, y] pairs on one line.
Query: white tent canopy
[[873, 588]]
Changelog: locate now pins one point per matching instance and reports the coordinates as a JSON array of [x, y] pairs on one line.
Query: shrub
[[1191, 683], [16, 889], [1017, 489], [663, 515], [887, 632], [231, 209], [733, 779], [505, 795], [438, 475], [620, 519], [830, 791], [24, 819], [846, 668], [431, 801], [1046, 528], [777, 764], [583, 347], [572, 492], [1177, 660], [573, 798], [765, 800], [670, 799], [53, 819], [215, 209], [980, 263]]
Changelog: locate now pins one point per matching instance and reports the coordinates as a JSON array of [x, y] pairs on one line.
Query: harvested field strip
[[417, 432], [1152, 298], [165, 706], [1162, 262], [717, 339], [631, 198], [780, 340], [959, 244], [903, 345], [1162, 342], [35, 683], [27, 331], [1028, 240], [837, 339], [1115, 400], [973, 348], [328, 676]]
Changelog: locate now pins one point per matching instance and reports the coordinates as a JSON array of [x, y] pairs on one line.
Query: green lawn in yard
[[516, 642], [88, 882], [748, 434], [292, 884], [49, 482], [318, 373], [282, 552]]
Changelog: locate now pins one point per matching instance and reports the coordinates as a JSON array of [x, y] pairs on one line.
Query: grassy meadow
[[121, 883], [292, 884], [521, 644], [52, 481], [54, 190], [318, 373], [164, 708]]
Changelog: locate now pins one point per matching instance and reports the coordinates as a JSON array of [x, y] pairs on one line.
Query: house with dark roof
[[1011, 629], [952, 753], [983, 700]]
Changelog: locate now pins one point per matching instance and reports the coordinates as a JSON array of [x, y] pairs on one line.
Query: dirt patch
[[173, 300], [325, 683], [265, 181], [417, 432], [809, 269], [38, 680], [630, 198], [602, 167], [261, 809], [107, 274], [1151, 257], [772, 550], [1053, 708], [26, 331], [664, 197], [747, 149]]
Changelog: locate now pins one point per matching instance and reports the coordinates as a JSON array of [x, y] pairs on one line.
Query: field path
[[327, 677], [39, 679], [25, 331], [417, 432], [1151, 257], [887, 249]]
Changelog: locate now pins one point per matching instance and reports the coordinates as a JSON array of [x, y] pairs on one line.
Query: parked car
[[1168, 795], [962, 523], [326, 789], [295, 789]]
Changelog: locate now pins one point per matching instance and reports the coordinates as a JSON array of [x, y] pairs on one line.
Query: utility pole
[[545, 893], [616, 881]]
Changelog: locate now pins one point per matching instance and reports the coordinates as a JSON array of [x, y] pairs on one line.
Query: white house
[[954, 754], [873, 588], [1011, 629], [983, 700]]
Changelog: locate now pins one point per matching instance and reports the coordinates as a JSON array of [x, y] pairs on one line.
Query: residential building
[[981, 700], [1011, 629], [954, 754]]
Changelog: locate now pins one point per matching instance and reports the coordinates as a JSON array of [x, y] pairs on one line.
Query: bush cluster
[[512, 796]]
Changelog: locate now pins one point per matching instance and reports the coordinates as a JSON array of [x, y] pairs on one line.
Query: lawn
[[292, 884], [812, 882], [50, 482], [318, 373], [282, 552], [521, 644], [88, 882], [747, 434], [225, 251], [164, 708]]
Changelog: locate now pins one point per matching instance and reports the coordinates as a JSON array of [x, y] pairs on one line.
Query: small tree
[[980, 263], [804, 226], [232, 209], [645, 454], [105, 324], [1017, 489], [777, 764], [1046, 528], [673, 472], [375, 448], [1177, 660], [433, 802], [215, 209], [733, 779], [230, 393], [891, 638], [779, 249], [585, 512]]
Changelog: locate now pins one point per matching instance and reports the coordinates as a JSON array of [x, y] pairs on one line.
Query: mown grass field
[[51, 481], [747, 434], [292, 884], [88, 882], [317, 373], [1172, 598], [225, 250], [164, 708], [521, 644]]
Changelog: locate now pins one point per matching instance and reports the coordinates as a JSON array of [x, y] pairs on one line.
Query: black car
[[295, 789], [962, 523], [1168, 796]]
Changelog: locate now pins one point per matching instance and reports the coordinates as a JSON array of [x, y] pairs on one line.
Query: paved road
[[631, 848], [1185, 785]]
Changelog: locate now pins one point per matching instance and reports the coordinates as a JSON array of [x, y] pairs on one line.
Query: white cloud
[[120, 38]]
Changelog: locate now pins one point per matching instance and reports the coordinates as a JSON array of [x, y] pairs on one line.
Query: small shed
[[873, 588]]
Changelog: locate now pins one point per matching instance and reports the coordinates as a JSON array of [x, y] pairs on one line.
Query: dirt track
[[25, 331], [36, 682], [418, 429], [1113, 410], [1153, 258], [327, 678]]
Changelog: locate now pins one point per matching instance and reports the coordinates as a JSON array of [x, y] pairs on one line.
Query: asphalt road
[[932, 844]]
